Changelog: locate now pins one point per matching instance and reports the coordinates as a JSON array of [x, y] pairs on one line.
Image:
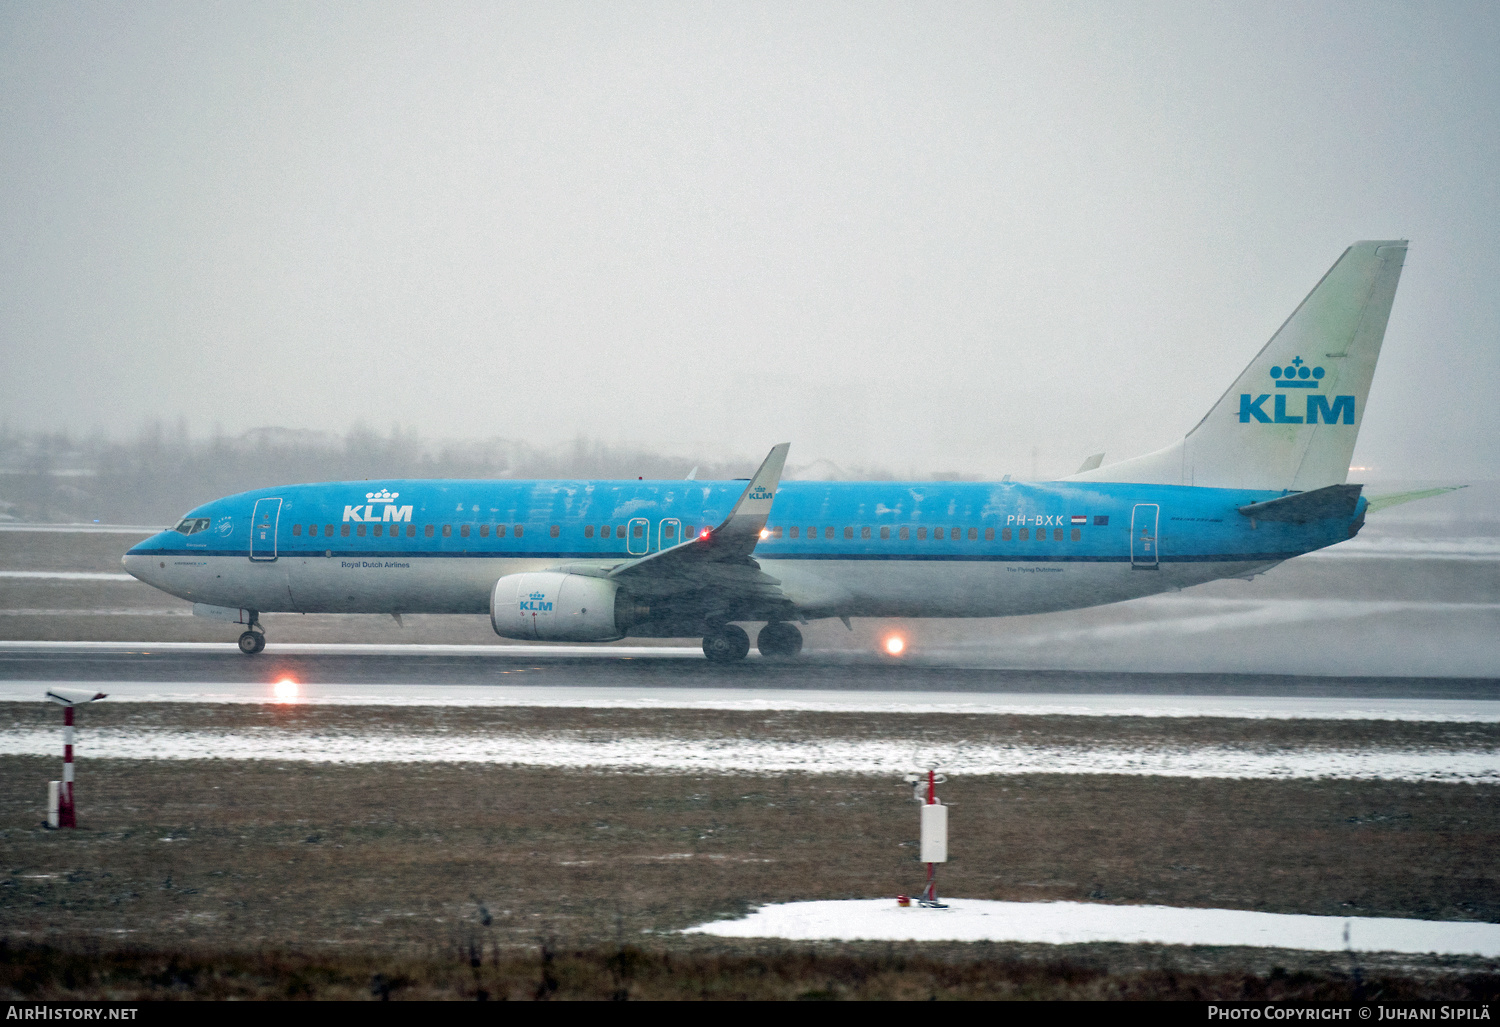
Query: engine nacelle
[[550, 606]]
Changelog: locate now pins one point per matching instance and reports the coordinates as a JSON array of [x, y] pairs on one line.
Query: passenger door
[[1144, 522], [263, 524]]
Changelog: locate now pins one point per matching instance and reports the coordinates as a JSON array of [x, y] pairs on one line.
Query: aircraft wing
[[719, 560]]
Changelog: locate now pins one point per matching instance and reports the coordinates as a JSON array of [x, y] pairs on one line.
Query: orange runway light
[[895, 645], [286, 690]]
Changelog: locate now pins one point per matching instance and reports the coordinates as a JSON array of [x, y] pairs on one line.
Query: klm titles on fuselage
[[1297, 375], [366, 511]]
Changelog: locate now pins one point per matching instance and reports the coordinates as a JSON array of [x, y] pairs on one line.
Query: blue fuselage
[[839, 548]]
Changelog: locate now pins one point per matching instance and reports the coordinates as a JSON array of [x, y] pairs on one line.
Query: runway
[[440, 672], [679, 677]]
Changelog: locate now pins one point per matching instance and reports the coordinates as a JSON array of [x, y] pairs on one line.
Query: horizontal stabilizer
[[1397, 498], [1091, 463], [1334, 501]]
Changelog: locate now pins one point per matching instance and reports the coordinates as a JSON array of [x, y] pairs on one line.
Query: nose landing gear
[[254, 640]]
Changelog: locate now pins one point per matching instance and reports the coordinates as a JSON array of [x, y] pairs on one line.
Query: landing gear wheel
[[779, 639], [252, 642], [727, 645]]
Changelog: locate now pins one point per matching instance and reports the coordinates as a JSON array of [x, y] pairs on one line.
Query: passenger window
[[848, 532], [518, 531], [864, 532], [812, 531], [905, 534], [885, 531], [588, 531], [689, 531], [411, 531], [669, 531], [1004, 535], [447, 531], [499, 531], [828, 531], [639, 531], [937, 533], [328, 530], [1025, 534], [921, 533], [974, 534], [776, 532], [296, 529], [796, 532], [344, 530], [360, 531], [427, 530], [463, 531], [1056, 534], [379, 530], [556, 531], [1077, 535], [989, 534], [484, 531]]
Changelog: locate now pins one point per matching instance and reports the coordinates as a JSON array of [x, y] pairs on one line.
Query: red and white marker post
[[61, 811], [934, 835]]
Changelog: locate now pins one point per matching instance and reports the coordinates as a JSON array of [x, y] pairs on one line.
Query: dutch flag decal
[[1080, 519]]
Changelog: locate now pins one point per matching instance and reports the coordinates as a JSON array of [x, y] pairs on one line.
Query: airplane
[[1262, 478]]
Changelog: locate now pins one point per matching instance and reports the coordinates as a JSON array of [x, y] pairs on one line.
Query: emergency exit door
[[668, 533], [1144, 522]]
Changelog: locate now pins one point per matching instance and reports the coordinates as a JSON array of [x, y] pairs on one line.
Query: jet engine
[[551, 606]]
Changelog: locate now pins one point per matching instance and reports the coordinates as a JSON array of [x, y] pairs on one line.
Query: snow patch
[[1072, 923]]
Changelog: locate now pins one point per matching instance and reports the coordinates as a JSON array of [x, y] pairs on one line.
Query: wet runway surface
[[410, 673]]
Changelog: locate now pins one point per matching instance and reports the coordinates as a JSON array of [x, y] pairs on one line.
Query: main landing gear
[[779, 638], [726, 645], [729, 643]]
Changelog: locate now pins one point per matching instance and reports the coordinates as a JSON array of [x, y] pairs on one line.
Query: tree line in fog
[[163, 471]]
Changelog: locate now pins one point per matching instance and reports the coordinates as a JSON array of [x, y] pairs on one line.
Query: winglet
[[750, 511]]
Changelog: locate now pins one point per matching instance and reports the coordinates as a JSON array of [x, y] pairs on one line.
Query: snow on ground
[[730, 755], [1066, 923]]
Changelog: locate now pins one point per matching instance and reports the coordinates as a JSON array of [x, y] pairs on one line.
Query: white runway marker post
[[934, 844], [61, 811]]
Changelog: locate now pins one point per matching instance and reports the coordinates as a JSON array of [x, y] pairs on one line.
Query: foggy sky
[[921, 236]]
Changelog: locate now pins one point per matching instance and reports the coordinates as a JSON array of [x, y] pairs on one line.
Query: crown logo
[[383, 496], [1297, 375], [538, 595]]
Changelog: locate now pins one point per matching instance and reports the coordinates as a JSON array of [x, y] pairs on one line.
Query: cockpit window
[[192, 525]]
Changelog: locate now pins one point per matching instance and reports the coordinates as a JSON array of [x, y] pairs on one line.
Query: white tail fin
[[1290, 420]]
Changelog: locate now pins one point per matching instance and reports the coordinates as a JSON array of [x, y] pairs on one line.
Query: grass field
[[256, 878]]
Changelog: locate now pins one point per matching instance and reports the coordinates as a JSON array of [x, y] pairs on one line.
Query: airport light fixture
[[60, 809]]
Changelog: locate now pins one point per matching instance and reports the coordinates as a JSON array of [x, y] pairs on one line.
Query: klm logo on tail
[[1297, 375]]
